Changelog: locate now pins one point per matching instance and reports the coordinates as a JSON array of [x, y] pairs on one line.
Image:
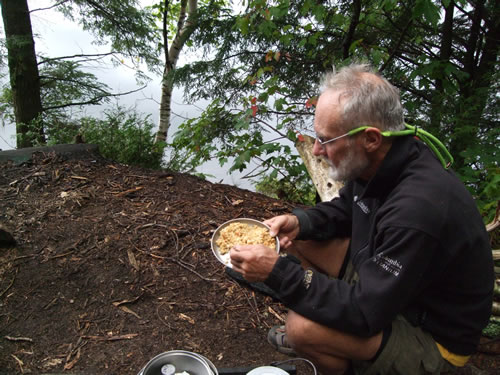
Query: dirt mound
[[112, 265]]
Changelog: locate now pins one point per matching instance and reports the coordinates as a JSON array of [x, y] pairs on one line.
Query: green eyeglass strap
[[434, 144]]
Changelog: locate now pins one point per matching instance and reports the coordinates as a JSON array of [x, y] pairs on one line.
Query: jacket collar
[[388, 173]]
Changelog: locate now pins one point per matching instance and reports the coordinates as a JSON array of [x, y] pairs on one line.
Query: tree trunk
[[356, 11], [438, 96], [185, 28], [23, 71], [481, 69]]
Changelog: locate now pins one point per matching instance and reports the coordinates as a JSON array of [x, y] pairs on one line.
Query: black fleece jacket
[[418, 244]]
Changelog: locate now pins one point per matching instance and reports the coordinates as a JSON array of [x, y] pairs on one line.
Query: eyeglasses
[[434, 144], [323, 141]]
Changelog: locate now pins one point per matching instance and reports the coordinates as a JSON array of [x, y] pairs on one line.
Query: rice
[[243, 234]]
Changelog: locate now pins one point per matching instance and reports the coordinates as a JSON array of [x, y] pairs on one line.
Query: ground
[[112, 265]]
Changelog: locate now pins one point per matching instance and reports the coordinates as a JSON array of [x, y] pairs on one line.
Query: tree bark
[[185, 27], [481, 68], [438, 96], [23, 71], [356, 11]]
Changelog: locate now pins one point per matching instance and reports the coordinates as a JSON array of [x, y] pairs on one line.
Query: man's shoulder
[[429, 198]]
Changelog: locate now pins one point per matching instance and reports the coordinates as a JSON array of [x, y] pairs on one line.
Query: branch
[[94, 100], [271, 127], [259, 173], [99, 55], [352, 28], [53, 6], [109, 16], [398, 45], [93, 87]]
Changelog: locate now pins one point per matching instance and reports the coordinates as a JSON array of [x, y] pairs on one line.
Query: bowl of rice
[[242, 231]]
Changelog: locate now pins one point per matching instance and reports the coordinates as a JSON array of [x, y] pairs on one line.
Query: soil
[[112, 265]]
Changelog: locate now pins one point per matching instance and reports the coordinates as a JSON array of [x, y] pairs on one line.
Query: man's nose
[[318, 149]]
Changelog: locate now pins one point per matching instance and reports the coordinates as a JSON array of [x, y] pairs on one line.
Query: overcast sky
[[57, 36]]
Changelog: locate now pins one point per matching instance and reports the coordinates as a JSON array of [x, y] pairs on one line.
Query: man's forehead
[[328, 112]]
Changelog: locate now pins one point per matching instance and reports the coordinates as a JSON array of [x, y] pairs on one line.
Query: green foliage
[[125, 136], [6, 111], [3, 57], [492, 330], [128, 27], [481, 172], [240, 141], [64, 86], [123, 24], [275, 53], [64, 89], [296, 190], [31, 133], [71, 81]]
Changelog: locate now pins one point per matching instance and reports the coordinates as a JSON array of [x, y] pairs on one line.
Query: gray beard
[[350, 167]]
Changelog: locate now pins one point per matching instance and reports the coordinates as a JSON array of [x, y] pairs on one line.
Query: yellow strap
[[454, 359]]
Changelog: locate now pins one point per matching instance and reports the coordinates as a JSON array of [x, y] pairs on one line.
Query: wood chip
[[187, 318], [132, 260], [133, 190], [129, 311]]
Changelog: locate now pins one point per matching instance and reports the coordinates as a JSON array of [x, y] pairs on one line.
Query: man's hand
[[286, 227], [254, 262]]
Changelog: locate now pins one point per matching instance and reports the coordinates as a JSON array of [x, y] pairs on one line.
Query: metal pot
[[192, 363]]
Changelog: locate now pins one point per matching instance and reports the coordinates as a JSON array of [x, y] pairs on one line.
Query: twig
[[112, 338], [254, 307], [11, 283], [189, 269], [179, 262], [161, 319], [34, 174], [60, 255], [126, 192], [46, 307], [10, 338], [278, 316], [19, 362]]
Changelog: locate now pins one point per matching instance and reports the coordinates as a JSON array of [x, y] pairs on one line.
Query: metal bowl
[[192, 363], [225, 259]]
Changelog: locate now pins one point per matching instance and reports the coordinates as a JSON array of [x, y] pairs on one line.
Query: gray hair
[[367, 98]]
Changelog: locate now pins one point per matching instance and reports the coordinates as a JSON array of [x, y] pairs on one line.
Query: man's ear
[[372, 139]]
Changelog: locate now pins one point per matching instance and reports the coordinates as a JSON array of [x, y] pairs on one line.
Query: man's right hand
[[286, 227]]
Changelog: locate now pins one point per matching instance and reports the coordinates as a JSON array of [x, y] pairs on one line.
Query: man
[[396, 274]]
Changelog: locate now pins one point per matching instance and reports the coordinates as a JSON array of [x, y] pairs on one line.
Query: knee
[[298, 331]]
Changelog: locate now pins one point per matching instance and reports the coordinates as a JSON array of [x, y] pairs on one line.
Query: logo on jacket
[[390, 265], [308, 275], [363, 207]]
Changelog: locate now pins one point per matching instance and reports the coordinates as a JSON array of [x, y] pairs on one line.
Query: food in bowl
[[243, 234]]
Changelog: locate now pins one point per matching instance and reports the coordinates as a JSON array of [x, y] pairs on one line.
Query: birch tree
[[184, 27]]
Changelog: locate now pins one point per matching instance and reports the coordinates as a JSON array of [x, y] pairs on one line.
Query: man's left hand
[[254, 262]]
